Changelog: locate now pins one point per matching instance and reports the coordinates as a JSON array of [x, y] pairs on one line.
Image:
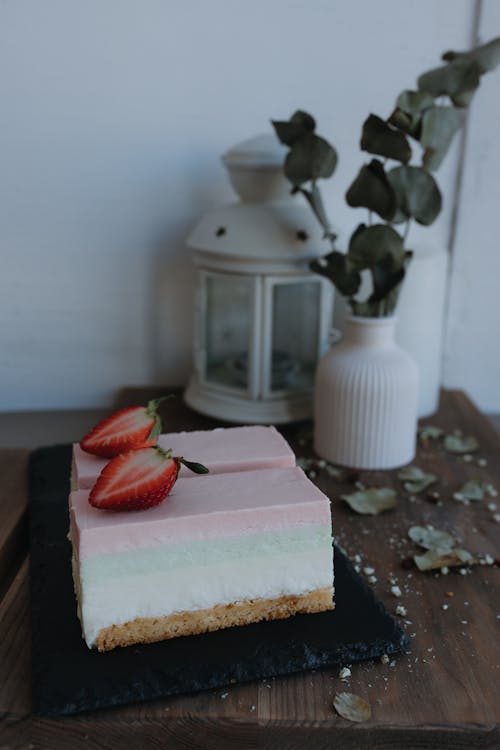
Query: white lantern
[[262, 319]]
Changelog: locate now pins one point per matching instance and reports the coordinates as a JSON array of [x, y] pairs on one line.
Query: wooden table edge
[[232, 729]]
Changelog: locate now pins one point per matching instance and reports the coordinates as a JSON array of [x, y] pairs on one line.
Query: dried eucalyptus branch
[[431, 115]]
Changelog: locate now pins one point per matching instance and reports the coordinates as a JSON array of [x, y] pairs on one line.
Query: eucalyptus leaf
[[430, 538], [464, 98], [408, 123], [487, 56], [379, 138], [459, 444], [434, 559], [336, 268], [456, 77], [289, 131], [417, 193], [407, 115], [414, 102], [387, 275], [370, 245], [352, 707], [439, 125], [358, 232], [473, 490], [366, 309], [415, 480], [372, 501], [430, 432], [372, 190], [310, 158]]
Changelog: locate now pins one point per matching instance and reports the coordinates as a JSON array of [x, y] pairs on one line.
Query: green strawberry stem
[[151, 412], [155, 402], [165, 454], [193, 465]]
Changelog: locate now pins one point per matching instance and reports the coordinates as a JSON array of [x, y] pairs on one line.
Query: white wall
[[472, 355], [113, 117]]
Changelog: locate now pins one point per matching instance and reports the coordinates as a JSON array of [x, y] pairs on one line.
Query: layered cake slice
[[223, 450], [222, 550]]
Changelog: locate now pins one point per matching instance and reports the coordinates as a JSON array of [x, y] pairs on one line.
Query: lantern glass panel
[[294, 343], [227, 334]]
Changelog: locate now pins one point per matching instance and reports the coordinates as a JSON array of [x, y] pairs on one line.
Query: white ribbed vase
[[366, 396]]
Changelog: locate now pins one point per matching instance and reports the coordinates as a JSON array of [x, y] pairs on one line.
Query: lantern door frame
[[252, 390], [325, 312]]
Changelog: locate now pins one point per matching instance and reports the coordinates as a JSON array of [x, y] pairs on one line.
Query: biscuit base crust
[[152, 629]]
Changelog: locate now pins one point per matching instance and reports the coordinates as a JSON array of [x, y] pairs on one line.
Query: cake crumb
[[368, 571], [444, 606], [396, 591], [384, 659], [344, 673], [401, 611], [372, 579]]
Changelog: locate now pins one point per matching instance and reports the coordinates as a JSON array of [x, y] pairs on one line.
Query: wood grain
[[15, 646], [13, 512], [442, 694]]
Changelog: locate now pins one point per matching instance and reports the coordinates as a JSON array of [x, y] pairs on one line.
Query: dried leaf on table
[[372, 501], [435, 558], [474, 489], [415, 480], [441, 552], [352, 707], [334, 472], [429, 432], [304, 463], [459, 444], [430, 538]]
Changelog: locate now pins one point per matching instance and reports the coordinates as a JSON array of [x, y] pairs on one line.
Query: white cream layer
[[185, 589]]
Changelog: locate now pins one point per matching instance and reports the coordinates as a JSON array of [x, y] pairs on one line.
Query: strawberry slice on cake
[[139, 479], [125, 430]]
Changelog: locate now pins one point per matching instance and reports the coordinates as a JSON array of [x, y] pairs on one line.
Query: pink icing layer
[[221, 450], [200, 508]]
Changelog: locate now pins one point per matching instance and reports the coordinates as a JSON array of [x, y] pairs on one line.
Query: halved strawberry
[[125, 430], [138, 479]]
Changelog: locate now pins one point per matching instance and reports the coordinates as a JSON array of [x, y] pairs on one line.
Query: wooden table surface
[[444, 693]]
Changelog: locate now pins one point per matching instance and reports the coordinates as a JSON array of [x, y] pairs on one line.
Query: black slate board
[[68, 677]]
